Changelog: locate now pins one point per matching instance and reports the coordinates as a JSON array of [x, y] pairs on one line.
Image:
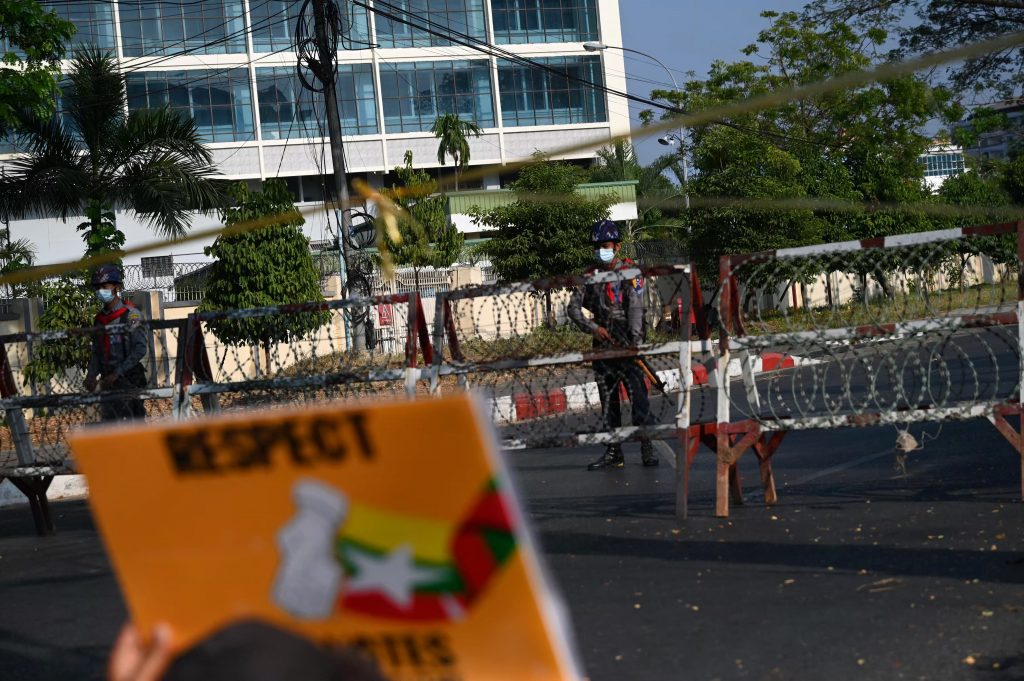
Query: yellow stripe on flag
[[387, 531]]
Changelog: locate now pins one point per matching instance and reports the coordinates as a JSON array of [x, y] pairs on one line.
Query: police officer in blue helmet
[[617, 321], [115, 362]]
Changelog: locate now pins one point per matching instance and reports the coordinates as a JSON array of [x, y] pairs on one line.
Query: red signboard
[[385, 315]]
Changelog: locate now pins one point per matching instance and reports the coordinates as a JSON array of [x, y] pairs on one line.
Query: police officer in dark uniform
[[116, 357], [617, 309]]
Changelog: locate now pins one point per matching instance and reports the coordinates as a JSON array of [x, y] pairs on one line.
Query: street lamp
[[668, 140]]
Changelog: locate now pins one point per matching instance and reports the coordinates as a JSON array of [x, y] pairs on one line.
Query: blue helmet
[[107, 274], [605, 230]]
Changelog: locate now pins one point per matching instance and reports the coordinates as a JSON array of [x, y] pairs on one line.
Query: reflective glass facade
[[288, 111], [544, 21], [159, 27], [531, 96], [273, 25], [93, 20], [942, 165], [461, 16], [220, 102], [416, 93], [223, 97]]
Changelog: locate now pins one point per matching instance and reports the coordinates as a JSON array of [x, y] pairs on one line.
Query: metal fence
[[179, 281], [537, 377], [515, 345], [896, 330], [42, 387], [887, 331], [427, 281]]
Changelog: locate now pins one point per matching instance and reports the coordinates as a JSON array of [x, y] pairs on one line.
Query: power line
[[484, 47], [498, 52], [433, 29]]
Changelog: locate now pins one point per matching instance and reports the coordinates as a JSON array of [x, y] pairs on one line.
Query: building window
[[162, 27], [544, 21], [460, 16], [357, 100], [414, 94], [220, 102], [289, 111], [93, 20], [942, 165], [532, 96], [273, 25]]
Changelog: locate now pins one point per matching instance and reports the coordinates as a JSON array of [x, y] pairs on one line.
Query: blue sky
[[687, 35]]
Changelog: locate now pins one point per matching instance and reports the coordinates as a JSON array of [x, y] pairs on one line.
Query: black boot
[[612, 458], [647, 455]]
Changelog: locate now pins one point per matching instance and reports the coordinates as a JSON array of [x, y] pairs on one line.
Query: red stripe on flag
[[423, 608], [473, 559], [490, 513]]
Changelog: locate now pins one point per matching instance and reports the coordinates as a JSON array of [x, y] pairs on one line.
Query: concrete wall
[[980, 270]]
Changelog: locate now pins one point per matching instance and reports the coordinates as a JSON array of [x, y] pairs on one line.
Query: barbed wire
[[853, 335]]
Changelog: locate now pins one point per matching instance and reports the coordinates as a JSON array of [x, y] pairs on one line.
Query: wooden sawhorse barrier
[[1013, 435], [729, 441]]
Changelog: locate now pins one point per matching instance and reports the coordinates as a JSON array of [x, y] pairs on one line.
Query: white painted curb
[[62, 487], [581, 397]]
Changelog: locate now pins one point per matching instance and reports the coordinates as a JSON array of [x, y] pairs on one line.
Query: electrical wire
[[494, 51]]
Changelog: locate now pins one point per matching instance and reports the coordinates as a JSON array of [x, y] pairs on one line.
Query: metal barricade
[[515, 345], [895, 330]]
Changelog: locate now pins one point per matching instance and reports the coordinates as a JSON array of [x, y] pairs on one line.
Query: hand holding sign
[[134, 659]]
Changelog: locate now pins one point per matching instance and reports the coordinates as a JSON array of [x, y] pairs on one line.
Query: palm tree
[[97, 156], [15, 255], [452, 131], [654, 191]]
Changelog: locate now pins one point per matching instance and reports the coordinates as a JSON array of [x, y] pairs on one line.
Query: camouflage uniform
[[619, 308], [120, 351]]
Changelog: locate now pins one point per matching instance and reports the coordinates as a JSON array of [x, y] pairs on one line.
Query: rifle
[[650, 373]]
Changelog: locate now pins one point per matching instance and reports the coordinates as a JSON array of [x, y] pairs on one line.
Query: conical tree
[[451, 132], [267, 266], [95, 157]]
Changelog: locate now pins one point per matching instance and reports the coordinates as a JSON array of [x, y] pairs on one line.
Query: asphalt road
[[858, 573]]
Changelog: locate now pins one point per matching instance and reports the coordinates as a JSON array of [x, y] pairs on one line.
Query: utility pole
[[322, 11]]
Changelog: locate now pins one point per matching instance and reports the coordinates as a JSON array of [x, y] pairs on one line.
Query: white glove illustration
[[309, 577]]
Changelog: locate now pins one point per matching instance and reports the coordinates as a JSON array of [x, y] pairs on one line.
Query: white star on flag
[[394, 575]]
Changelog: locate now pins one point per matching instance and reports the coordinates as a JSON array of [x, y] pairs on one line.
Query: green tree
[[34, 38], [988, 196], [271, 265], [428, 237], [655, 193], [859, 145], [1012, 178], [96, 156], [15, 255], [973, 189], [929, 26], [451, 132], [546, 230], [67, 304], [735, 166]]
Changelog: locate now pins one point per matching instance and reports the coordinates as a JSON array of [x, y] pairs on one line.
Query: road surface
[[858, 573]]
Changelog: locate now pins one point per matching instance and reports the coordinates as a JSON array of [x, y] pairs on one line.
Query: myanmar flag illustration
[[415, 569]]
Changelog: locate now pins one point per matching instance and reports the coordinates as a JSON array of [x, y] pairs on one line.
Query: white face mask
[[105, 295], [605, 255]]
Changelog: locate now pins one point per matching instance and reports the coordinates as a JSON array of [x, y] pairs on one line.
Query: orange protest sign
[[391, 527]]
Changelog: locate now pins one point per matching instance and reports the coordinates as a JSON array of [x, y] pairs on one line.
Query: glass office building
[[516, 68], [230, 65]]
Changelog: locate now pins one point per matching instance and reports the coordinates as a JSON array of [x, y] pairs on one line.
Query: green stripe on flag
[[501, 544]]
